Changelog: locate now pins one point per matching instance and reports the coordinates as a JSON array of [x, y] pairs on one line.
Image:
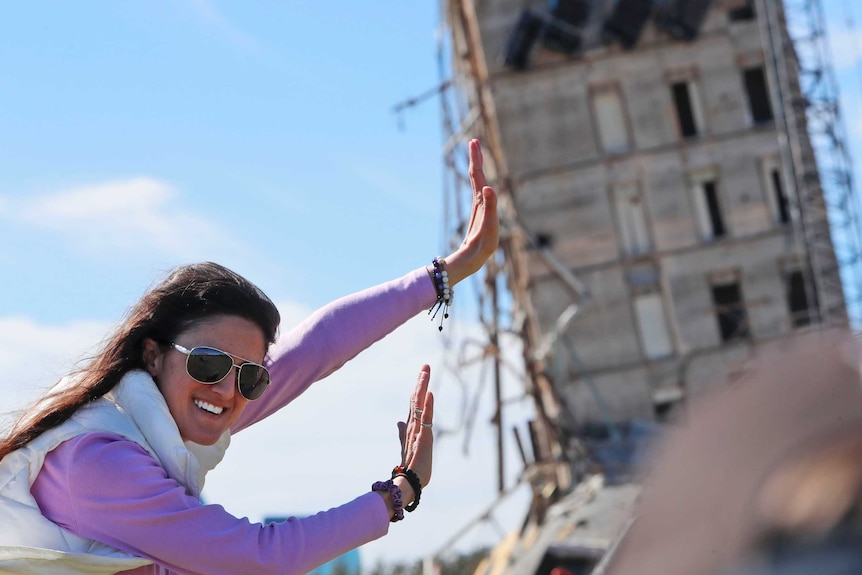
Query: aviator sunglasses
[[210, 365]]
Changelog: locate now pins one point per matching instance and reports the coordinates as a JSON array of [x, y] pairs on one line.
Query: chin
[[205, 440]]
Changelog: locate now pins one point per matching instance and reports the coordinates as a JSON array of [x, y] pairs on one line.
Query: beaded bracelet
[[395, 491], [444, 292], [412, 478]]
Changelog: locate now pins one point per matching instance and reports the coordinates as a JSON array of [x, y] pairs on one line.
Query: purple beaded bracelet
[[395, 491]]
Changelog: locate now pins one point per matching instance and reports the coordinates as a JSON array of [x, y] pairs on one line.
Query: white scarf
[[135, 410]]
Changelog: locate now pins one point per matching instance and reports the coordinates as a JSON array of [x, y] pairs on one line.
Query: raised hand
[[417, 439], [483, 231]]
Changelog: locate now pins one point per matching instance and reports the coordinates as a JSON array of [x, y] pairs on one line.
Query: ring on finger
[[427, 425], [417, 411]]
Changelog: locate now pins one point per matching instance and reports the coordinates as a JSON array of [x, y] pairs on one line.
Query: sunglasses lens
[[208, 365], [253, 380]]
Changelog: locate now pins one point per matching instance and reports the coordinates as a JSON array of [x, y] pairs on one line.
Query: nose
[[227, 386]]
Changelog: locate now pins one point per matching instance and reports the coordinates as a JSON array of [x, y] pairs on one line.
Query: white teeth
[[208, 407]]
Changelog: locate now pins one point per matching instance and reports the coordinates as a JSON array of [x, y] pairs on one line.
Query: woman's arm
[[339, 331], [103, 487], [335, 334]]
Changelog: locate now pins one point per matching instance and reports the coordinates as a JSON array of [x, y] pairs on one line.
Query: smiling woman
[[204, 412], [104, 473]]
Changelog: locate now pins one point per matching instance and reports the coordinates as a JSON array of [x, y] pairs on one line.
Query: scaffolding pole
[[829, 209]]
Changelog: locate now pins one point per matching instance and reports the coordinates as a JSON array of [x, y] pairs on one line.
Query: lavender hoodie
[[142, 511]]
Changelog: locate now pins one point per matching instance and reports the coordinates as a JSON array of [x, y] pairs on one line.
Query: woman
[[104, 474]]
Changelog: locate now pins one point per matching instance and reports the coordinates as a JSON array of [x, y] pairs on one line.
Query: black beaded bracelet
[[413, 479], [445, 293], [395, 491]]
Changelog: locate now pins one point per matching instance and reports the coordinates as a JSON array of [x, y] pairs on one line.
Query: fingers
[[414, 417], [478, 183], [402, 437], [476, 169], [418, 437], [482, 236], [417, 400], [423, 455], [428, 413], [486, 223], [483, 223]]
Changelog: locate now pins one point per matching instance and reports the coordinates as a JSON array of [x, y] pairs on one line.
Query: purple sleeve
[[103, 487], [335, 334]]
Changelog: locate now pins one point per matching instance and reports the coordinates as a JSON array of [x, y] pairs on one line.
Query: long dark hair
[[188, 295]]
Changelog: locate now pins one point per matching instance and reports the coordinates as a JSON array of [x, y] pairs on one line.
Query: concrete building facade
[[662, 195]]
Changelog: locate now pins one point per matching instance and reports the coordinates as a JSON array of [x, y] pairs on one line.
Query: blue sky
[[135, 136], [265, 130]]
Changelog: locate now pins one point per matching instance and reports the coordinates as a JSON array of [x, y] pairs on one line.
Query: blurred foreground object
[[767, 476]]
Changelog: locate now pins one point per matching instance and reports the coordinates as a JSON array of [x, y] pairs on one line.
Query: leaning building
[[675, 193], [664, 210]]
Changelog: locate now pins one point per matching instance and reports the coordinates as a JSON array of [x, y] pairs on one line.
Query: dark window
[[730, 311], [521, 40], [710, 194], [758, 95], [681, 19], [572, 12], [563, 33], [574, 565], [740, 13], [802, 308], [684, 110], [780, 196], [542, 241], [627, 22], [665, 411]]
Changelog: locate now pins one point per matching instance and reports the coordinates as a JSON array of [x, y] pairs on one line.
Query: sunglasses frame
[[188, 353]]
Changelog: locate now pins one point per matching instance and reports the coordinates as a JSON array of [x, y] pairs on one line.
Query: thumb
[[402, 437], [402, 432]]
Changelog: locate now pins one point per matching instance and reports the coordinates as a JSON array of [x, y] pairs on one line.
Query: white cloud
[[853, 123], [392, 190], [138, 215], [210, 15], [844, 44], [34, 356]]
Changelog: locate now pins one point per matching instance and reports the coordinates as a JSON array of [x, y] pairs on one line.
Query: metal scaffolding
[[827, 202], [468, 112]]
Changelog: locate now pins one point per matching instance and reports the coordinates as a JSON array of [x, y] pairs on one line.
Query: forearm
[[335, 334], [142, 512]]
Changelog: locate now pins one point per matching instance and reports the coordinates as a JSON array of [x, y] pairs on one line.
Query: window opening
[[610, 120], [663, 410], [802, 308], [631, 219], [686, 109], [742, 13], [758, 95], [652, 325], [730, 311], [710, 193], [707, 208], [774, 191], [780, 197]]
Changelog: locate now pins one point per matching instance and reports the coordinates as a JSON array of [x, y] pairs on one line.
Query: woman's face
[[203, 412]]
